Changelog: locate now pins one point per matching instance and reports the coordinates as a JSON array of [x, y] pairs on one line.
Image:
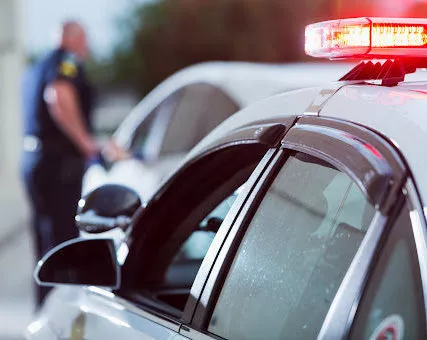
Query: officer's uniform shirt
[[38, 123]]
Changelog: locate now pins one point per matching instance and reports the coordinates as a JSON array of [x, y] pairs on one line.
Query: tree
[[168, 35]]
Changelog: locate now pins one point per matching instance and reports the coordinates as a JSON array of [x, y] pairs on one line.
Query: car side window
[[141, 134], [294, 254], [175, 231], [149, 135], [201, 108], [392, 306], [197, 245]]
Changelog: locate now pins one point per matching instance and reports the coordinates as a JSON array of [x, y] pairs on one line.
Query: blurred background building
[[136, 44], [11, 64]]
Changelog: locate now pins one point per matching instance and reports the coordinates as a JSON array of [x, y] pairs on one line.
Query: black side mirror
[[89, 262], [107, 207]]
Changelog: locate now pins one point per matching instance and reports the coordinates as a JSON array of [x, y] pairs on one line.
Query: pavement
[[16, 261]]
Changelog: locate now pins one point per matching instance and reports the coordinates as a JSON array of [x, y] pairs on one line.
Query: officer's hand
[[96, 159], [114, 152]]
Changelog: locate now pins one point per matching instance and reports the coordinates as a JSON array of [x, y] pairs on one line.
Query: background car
[[179, 112]]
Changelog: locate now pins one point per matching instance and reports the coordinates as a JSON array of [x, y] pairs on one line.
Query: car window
[[202, 107], [197, 245], [392, 306], [141, 134], [178, 226], [149, 135], [294, 254]]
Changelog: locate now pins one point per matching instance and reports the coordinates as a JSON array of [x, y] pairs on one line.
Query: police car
[[314, 206], [181, 110]]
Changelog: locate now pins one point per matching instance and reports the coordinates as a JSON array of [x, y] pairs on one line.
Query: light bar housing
[[367, 38]]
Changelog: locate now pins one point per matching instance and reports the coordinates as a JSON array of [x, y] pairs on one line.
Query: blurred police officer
[[57, 102]]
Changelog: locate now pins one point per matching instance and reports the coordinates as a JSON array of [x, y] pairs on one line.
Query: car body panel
[[76, 313], [402, 107]]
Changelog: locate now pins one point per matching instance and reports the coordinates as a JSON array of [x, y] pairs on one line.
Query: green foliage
[[167, 35]]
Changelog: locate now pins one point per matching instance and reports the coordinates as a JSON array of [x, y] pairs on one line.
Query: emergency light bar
[[368, 38]]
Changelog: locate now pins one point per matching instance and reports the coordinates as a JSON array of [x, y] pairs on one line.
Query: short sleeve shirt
[[57, 65]]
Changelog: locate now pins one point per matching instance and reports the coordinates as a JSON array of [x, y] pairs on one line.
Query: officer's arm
[[64, 108]]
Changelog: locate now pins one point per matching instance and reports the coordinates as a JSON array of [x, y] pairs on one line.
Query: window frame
[[338, 139], [158, 125], [411, 196], [268, 133], [419, 230]]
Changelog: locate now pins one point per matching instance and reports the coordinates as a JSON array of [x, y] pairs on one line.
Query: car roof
[[244, 82], [398, 113], [247, 82]]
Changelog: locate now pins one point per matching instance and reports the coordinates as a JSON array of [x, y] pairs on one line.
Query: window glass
[[141, 135], [392, 307], [149, 135], [294, 254], [202, 107], [197, 245], [173, 235]]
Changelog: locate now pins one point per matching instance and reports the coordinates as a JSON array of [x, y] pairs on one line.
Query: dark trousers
[[53, 182]]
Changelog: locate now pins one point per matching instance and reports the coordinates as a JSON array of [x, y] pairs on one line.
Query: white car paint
[[397, 112], [76, 313]]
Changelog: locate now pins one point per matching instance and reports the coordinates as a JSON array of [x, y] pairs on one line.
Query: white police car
[[322, 231]]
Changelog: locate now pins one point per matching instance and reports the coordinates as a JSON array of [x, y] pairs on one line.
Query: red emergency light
[[367, 38]]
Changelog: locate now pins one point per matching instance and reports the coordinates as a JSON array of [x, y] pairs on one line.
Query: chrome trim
[[419, 230], [114, 301], [335, 324], [66, 244]]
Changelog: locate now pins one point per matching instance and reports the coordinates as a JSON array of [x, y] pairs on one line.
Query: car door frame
[[266, 132], [381, 180], [418, 229]]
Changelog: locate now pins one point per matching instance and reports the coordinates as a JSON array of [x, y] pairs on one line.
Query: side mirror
[[88, 262], [107, 207]]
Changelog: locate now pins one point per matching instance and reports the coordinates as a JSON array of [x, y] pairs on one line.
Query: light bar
[[362, 37]]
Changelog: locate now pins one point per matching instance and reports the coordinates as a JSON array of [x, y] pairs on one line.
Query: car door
[[178, 230], [393, 303], [297, 258]]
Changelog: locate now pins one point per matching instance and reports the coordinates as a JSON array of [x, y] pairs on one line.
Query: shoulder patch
[[68, 67]]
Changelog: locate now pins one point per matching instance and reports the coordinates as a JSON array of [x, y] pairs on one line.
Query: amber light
[[398, 35], [360, 37], [352, 36]]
